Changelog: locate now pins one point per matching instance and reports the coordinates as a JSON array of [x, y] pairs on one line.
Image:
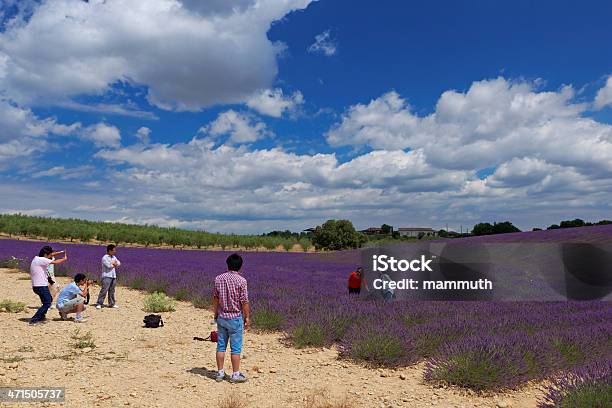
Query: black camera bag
[[153, 321]]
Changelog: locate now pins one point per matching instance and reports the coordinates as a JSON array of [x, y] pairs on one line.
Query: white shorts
[[68, 305]]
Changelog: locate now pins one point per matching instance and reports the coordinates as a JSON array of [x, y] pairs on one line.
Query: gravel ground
[[134, 366]]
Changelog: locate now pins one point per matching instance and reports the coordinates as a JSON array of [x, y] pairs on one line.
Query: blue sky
[[250, 116]]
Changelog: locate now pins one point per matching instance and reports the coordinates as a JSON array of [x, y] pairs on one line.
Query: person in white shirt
[[41, 280], [109, 277]]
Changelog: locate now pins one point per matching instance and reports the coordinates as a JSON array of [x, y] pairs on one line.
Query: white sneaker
[[115, 307], [52, 307], [98, 306], [63, 315], [81, 320]]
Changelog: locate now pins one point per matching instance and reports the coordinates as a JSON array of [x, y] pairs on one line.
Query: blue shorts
[[230, 330]]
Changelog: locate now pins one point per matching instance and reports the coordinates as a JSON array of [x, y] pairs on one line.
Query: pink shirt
[[38, 271], [231, 290]]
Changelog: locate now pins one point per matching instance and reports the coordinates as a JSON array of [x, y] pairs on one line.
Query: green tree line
[[578, 223], [147, 235]]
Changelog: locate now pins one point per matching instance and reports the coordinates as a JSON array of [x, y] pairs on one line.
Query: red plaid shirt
[[231, 290]]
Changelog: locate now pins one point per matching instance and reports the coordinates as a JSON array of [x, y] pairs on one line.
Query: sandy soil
[[134, 366]]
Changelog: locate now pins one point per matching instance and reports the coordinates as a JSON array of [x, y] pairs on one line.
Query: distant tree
[[11, 229], [173, 237], [396, 235], [572, 223], [483, 228], [537, 229], [64, 228], [504, 228], [336, 235], [443, 233], [386, 229], [578, 223], [282, 234], [84, 232]]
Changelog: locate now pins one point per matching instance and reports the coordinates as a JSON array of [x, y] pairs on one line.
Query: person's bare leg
[[220, 360], [236, 362]]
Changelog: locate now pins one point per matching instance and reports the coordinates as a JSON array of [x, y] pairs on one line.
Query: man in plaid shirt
[[231, 308]]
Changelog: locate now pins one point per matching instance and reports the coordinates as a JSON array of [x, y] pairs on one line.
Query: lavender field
[[476, 345]]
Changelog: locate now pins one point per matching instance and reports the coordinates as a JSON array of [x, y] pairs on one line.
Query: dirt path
[[133, 366]]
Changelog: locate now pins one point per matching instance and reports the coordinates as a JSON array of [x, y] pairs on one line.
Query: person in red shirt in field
[[356, 281]]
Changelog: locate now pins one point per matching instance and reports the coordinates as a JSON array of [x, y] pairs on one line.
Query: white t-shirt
[[108, 270], [38, 271]]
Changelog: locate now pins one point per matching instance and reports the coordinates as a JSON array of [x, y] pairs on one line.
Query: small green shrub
[[339, 326], [10, 263], [427, 346], [83, 340], [181, 294], [588, 396], [308, 335], [201, 302], [153, 287], [268, 320], [158, 302], [137, 283], [471, 370], [570, 352], [378, 349], [412, 320], [11, 306]]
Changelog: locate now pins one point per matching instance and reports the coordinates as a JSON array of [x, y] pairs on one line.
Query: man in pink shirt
[[231, 308], [40, 280]]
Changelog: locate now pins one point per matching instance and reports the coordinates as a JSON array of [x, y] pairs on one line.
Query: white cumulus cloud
[[240, 127], [604, 95], [273, 102], [143, 134], [493, 122], [23, 133], [189, 55], [102, 135]]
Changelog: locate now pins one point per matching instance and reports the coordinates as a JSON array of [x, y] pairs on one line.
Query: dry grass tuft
[[232, 401], [320, 398]]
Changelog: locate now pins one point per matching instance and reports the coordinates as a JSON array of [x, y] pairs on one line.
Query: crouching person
[[72, 298], [231, 309]]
